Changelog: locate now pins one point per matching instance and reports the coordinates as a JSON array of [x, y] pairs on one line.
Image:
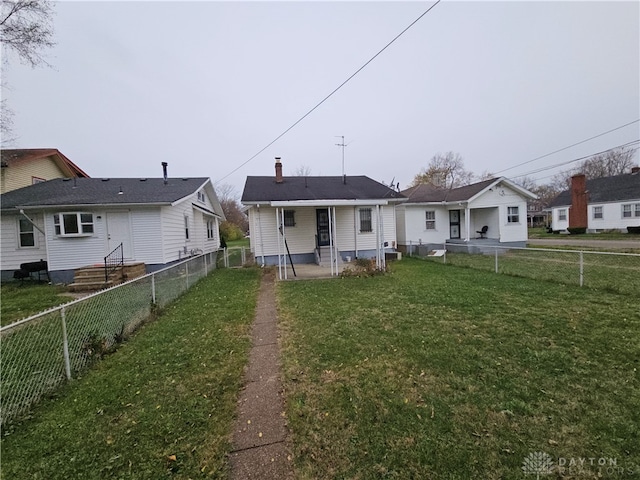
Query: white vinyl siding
[[12, 255]]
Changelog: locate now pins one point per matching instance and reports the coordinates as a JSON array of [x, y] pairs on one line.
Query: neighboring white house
[[72, 223], [318, 219], [432, 216], [612, 203]]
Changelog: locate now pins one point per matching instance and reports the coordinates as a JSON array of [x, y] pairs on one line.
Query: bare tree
[[302, 171], [444, 171], [26, 29], [237, 223], [613, 162]]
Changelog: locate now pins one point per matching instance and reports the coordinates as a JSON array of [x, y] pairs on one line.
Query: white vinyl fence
[[41, 352], [616, 272]]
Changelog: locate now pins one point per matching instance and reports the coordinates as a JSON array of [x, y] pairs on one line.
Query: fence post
[[186, 268], [243, 256], [496, 259], [153, 288], [581, 269], [444, 257], [206, 270], [65, 343], [410, 247], [225, 256]]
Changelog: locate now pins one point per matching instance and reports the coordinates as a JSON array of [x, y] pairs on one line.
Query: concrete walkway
[[260, 448]]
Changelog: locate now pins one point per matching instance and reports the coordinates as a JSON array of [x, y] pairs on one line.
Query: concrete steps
[[91, 278], [325, 258]]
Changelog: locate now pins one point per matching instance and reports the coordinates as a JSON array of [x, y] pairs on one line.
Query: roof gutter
[[32, 222]]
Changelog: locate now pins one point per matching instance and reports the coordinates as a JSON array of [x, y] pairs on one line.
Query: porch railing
[[112, 261]]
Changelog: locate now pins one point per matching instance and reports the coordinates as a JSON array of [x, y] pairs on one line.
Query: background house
[[321, 218], [24, 167], [432, 215], [72, 223], [608, 203]]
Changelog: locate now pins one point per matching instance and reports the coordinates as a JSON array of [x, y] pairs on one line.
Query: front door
[[322, 223], [118, 227], [454, 223]]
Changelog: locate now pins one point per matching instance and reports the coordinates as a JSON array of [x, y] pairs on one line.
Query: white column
[[467, 223], [335, 240], [279, 247]]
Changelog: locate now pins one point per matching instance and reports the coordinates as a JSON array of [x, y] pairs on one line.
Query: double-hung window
[[73, 224], [211, 229], [562, 215], [289, 218], [597, 213], [26, 234], [365, 220], [430, 219], [631, 210], [513, 215]]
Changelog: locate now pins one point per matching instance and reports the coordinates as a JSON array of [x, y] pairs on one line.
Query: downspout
[[330, 239], [335, 243]]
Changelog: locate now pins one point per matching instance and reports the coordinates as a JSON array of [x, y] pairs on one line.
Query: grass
[[159, 407], [243, 242], [23, 299], [541, 232], [616, 273], [440, 372]]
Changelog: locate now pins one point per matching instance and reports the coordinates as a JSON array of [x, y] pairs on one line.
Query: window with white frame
[[211, 229], [365, 220], [201, 197], [597, 213], [26, 234], [186, 227], [430, 219], [631, 210], [289, 218], [562, 215], [73, 224], [513, 214]]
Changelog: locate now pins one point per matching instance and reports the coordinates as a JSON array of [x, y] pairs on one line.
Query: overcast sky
[[204, 86]]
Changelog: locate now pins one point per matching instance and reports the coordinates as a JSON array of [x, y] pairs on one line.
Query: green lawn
[[22, 299], [541, 232], [441, 372], [168, 391]]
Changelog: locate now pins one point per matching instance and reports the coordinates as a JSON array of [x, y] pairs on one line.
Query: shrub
[[577, 230], [230, 231], [634, 230], [363, 267]]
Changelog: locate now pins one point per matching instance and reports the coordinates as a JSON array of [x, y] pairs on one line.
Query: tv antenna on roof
[[342, 145]]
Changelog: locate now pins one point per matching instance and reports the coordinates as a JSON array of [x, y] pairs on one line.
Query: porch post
[[377, 217], [330, 239], [278, 236], [335, 240], [383, 258], [467, 223]]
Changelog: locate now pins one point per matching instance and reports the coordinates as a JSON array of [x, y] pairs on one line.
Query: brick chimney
[[578, 211], [278, 170]]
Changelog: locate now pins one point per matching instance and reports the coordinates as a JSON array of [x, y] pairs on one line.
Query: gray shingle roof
[[265, 189], [607, 189], [425, 193], [97, 191]]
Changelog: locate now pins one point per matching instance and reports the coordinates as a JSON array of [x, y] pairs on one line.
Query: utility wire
[[331, 94], [542, 169], [570, 146]]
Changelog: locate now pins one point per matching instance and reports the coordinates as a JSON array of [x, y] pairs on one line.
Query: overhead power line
[[567, 162], [570, 146], [331, 94]]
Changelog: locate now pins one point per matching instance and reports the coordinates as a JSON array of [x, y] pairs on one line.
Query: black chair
[[483, 231]]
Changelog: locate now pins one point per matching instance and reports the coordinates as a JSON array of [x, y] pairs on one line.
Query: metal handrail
[[112, 261]]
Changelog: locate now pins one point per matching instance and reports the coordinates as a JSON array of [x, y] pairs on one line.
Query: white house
[[318, 219], [432, 216], [608, 203], [76, 222]]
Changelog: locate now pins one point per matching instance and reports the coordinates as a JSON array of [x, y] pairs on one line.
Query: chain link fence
[[235, 257], [615, 272], [41, 352]]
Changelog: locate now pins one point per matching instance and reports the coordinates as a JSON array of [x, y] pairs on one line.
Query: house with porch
[[27, 166], [325, 220], [491, 212], [76, 222]]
